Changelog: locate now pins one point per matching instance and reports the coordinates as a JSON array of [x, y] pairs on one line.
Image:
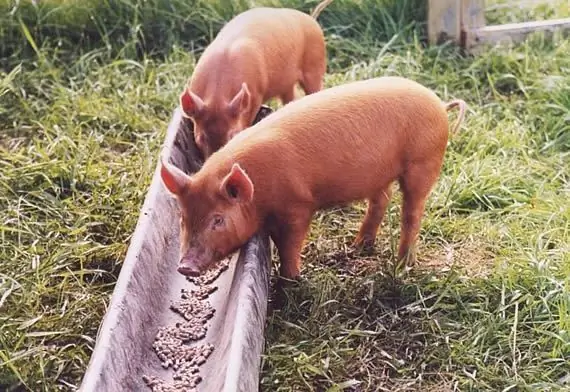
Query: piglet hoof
[[286, 281], [410, 260], [279, 298], [283, 283], [407, 260], [363, 243]]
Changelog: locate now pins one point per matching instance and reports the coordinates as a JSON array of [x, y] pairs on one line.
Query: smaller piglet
[[260, 54], [340, 145]]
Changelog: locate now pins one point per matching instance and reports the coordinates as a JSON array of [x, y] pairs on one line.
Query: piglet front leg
[[289, 234]]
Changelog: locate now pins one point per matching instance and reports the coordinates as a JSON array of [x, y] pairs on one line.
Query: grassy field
[[86, 91]]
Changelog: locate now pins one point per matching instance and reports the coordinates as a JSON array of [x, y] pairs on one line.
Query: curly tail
[[320, 7], [462, 107]]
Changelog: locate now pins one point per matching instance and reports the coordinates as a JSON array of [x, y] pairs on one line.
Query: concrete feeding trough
[[232, 302]]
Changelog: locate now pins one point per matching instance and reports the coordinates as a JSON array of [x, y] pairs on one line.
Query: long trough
[[223, 348]]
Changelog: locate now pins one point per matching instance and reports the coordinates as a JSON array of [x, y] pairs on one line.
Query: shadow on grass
[[354, 323], [352, 326]]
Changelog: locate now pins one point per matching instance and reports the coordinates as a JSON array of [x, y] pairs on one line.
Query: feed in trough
[[182, 382], [124, 348], [170, 344]]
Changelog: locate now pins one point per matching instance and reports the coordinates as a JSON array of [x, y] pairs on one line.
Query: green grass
[[86, 91]]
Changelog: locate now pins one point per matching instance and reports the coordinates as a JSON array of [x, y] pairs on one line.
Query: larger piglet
[[260, 54], [340, 145]]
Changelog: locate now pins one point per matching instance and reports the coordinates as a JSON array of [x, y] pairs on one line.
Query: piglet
[[260, 54], [340, 145]]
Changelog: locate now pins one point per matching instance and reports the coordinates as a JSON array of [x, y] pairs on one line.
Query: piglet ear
[[237, 185], [240, 101], [191, 104], [174, 179]]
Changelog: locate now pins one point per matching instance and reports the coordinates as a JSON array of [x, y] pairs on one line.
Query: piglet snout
[[188, 266], [188, 270]]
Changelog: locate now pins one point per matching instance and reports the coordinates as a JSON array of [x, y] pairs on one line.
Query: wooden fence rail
[[463, 21]]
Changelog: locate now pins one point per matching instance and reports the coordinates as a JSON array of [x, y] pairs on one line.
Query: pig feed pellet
[[202, 292], [193, 309], [187, 385], [170, 342], [172, 351]]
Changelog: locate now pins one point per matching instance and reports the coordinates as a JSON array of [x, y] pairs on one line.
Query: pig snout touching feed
[[343, 144], [260, 54]]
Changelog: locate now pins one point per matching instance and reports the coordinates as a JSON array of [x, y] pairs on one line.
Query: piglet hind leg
[[377, 206], [312, 82], [288, 96], [416, 185], [289, 238]]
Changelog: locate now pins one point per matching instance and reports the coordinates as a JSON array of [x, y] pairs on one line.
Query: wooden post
[[472, 19], [444, 21]]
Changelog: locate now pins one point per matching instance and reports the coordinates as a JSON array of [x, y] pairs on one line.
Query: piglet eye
[[218, 221]]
